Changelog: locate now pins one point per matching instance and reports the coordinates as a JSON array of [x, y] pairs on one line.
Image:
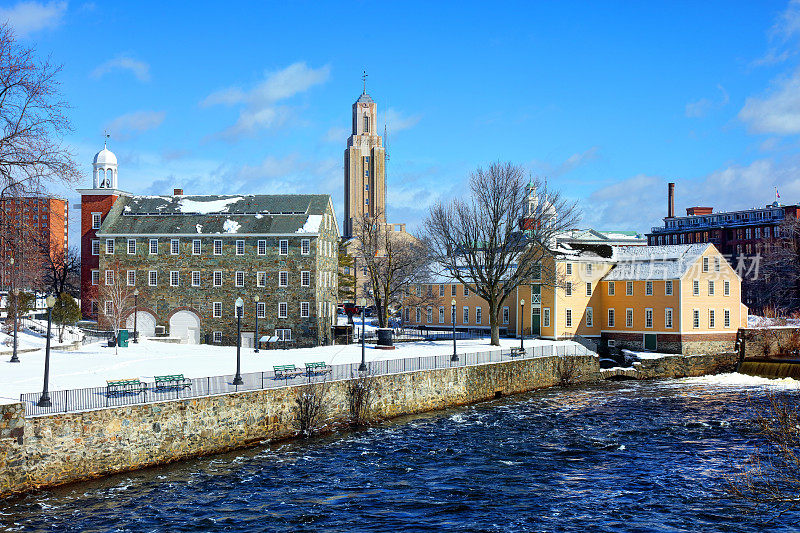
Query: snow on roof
[[231, 226], [204, 207], [654, 262], [312, 224]]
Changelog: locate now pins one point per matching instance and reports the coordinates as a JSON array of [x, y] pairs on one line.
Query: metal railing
[[72, 400], [421, 333]]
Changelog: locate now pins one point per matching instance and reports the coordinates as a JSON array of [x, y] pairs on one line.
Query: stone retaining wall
[[753, 340], [676, 366], [51, 450]]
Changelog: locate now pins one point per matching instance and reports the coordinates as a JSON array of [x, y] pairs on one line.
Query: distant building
[[613, 238]]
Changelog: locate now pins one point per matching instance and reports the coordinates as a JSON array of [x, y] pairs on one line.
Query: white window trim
[[695, 312], [696, 283], [99, 220], [112, 248], [589, 317], [193, 278], [285, 307], [261, 243], [236, 278], [239, 246], [611, 318], [307, 312], [173, 274], [568, 317], [261, 279], [670, 284], [95, 277], [712, 319], [214, 307], [652, 318], [95, 246], [128, 278], [215, 278], [648, 288], [199, 247], [150, 244], [281, 244], [172, 246], [305, 247], [726, 318], [546, 317], [132, 241], [217, 243], [307, 275], [628, 288], [611, 288], [626, 317], [726, 288], [669, 312], [283, 278]]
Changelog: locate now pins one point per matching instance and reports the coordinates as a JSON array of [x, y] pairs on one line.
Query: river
[[616, 456]]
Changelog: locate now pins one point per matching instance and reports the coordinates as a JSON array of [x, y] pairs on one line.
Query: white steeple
[[105, 168]]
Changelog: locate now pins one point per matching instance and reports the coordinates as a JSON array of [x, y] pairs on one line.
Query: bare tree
[[116, 298], [774, 284], [770, 480], [360, 395], [310, 406], [62, 270], [394, 261], [498, 238]]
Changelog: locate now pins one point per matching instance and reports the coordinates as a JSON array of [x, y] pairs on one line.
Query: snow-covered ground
[[27, 338], [754, 321], [95, 363]]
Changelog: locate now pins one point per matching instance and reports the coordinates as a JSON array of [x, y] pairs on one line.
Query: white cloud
[[576, 160], [776, 112], [397, 121], [30, 17], [702, 106], [335, 135], [140, 69], [260, 104], [782, 34], [137, 122]]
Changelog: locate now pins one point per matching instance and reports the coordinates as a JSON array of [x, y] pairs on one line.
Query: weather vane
[[106, 135], [364, 79]]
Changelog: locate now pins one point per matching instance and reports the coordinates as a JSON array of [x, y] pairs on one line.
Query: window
[[611, 318], [240, 279], [726, 288], [305, 278], [304, 310], [109, 246], [506, 313], [695, 318], [668, 287], [282, 309], [465, 313], [261, 309], [95, 277], [453, 289], [94, 308], [418, 315], [569, 269], [705, 264], [429, 315], [131, 246], [109, 277], [152, 278], [710, 288], [726, 318], [195, 278], [441, 315], [262, 247], [153, 246], [174, 278], [710, 318], [109, 308], [568, 318], [239, 247], [589, 317], [96, 219], [131, 278], [696, 288], [716, 264], [629, 288], [174, 246], [441, 291], [588, 288], [196, 247], [305, 247], [589, 271], [217, 247], [283, 247], [217, 336], [218, 278], [478, 315], [366, 124], [95, 247], [283, 279], [546, 317], [466, 291], [648, 318], [648, 288], [284, 334], [611, 288], [261, 279], [668, 317], [629, 318], [568, 289], [217, 309]]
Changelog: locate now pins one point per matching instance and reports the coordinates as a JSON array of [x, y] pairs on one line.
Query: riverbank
[[56, 449]]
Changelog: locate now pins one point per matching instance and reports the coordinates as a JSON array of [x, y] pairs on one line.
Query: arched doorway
[[185, 325], [145, 324]]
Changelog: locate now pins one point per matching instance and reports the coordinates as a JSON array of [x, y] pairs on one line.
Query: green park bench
[[172, 381], [117, 387], [286, 371], [319, 367]]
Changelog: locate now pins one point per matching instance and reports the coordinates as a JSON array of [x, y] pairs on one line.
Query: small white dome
[[105, 157]]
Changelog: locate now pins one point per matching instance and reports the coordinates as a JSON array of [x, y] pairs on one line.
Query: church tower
[[364, 160]]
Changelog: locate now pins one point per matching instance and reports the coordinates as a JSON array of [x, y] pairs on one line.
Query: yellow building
[[675, 299]]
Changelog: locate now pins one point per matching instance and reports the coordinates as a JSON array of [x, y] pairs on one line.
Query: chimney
[[177, 192], [670, 200]]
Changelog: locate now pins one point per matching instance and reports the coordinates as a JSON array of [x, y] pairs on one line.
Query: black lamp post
[[255, 299], [522, 325], [15, 291], [44, 401], [239, 305], [135, 312], [363, 366], [454, 357]]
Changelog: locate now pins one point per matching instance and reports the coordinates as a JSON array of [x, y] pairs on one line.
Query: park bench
[[320, 367], [118, 387], [516, 352], [286, 371], [172, 381]]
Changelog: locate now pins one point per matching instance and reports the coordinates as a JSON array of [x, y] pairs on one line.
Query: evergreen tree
[[65, 313]]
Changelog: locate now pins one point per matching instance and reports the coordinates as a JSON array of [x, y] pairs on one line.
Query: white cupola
[[105, 169]]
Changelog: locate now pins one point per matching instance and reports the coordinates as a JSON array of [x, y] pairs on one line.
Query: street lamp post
[[237, 380], [135, 312], [15, 291], [522, 325], [255, 299], [44, 401], [453, 316], [363, 366]]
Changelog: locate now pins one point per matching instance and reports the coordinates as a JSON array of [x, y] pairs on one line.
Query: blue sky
[[609, 101]]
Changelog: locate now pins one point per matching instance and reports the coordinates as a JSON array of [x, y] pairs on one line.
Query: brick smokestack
[[670, 200]]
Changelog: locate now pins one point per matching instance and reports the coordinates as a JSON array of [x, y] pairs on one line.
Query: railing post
[[208, 385]]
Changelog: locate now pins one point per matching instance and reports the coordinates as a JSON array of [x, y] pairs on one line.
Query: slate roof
[[654, 262], [262, 214]]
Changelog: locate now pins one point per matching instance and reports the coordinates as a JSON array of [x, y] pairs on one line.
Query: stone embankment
[[675, 366]]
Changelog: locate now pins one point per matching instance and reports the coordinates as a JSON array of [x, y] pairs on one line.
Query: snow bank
[[212, 206], [646, 355], [312, 224]]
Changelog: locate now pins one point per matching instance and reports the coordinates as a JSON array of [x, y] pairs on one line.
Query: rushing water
[[625, 456]]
